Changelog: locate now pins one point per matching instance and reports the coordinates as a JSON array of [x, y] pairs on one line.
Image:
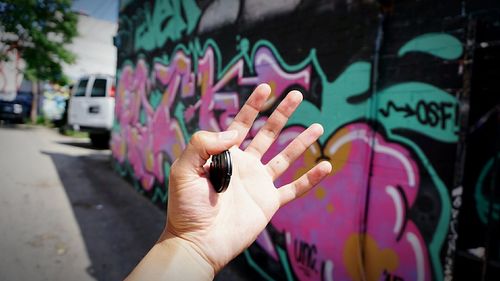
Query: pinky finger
[[306, 182]]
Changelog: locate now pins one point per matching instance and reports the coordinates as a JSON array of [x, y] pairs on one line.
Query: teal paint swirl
[[440, 45]]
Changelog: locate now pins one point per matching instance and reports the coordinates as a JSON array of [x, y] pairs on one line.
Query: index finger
[[247, 114]]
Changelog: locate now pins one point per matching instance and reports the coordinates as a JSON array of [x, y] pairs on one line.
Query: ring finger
[[280, 163], [273, 126]]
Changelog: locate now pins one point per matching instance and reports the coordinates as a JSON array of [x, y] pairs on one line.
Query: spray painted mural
[[384, 212], [479, 220]]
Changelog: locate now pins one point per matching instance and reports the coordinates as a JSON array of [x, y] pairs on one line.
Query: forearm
[[172, 259]]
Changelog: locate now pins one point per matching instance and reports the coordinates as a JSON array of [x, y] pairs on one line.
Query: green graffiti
[[166, 22], [412, 106], [335, 111], [284, 261], [143, 119], [116, 127], [119, 168], [483, 203], [441, 45], [256, 267], [161, 193], [138, 186], [179, 115], [419, 107], [155, 97], [425, 109], [124, 4], [444, 217]]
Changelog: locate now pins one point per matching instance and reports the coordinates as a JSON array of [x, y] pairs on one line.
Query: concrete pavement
[[66, 215], [40, 239]]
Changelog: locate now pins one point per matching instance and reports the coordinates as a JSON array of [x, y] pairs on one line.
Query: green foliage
[[75, 134], [39, 31]]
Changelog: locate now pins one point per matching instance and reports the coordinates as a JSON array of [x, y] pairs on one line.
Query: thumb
[[203, 144]]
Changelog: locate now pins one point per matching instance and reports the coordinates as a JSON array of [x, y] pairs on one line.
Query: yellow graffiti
[[376, 260]]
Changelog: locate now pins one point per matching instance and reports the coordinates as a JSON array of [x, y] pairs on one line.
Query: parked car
[[62, 123], [91, 107], [17, 109]]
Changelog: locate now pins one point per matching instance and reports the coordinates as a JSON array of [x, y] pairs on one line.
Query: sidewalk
[[64, 214]]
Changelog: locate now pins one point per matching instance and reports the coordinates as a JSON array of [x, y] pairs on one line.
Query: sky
[[100, 9]]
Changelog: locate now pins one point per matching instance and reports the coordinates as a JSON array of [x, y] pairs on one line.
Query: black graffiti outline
[[426, 112], [399, 188], [305, 255]]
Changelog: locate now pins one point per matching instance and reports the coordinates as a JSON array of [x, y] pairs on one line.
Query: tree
[[38, 30]]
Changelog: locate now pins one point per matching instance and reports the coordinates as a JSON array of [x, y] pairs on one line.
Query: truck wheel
[[99, 140]]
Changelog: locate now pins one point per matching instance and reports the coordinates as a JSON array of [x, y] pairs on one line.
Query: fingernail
[[228, 135]]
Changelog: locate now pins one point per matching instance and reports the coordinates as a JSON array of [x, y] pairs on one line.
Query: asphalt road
[[66, 215]]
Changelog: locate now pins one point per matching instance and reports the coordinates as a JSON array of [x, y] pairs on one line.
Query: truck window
[[99, 89], [82, 86]]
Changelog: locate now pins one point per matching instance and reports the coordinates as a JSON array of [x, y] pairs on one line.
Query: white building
[[93, 47]]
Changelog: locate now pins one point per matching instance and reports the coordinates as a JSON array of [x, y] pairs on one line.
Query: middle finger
[[247, 114], [270, 131]]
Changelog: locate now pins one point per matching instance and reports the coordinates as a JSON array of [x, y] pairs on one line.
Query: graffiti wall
[[478, 243], [388, 81]]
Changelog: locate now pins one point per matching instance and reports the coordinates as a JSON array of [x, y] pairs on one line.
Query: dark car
[[18, 109]]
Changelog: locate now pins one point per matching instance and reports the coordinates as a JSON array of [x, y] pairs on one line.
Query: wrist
[[186, 258], [172, 259]]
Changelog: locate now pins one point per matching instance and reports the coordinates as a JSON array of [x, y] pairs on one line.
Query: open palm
[[219, 226]]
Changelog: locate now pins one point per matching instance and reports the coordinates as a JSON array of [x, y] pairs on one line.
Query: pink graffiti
[[323, 229], [332, 215], [146, 142], [266, 68], [149, 136]]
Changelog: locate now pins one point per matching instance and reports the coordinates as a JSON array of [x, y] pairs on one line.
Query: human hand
[[219, 226]]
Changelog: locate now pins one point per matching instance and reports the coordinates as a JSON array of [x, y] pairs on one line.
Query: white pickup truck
[[92, 106]]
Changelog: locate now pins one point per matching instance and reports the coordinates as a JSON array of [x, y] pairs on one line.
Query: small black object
[[221, 170]]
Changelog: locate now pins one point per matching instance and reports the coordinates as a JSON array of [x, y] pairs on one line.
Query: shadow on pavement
[[118, 225], [15, 126], [82, 144]]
